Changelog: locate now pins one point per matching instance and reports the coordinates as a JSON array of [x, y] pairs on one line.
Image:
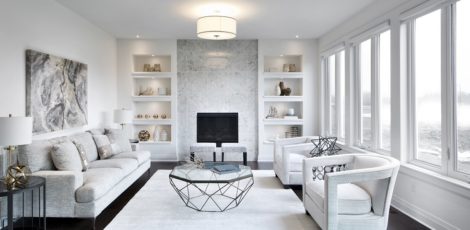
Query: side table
[[36, 186]]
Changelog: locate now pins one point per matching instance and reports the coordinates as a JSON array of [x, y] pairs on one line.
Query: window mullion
[[446, 91], [375, 93], [338, 95], [358, 93]]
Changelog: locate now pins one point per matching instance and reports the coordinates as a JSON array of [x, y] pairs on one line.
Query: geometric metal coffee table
[[204, 190]]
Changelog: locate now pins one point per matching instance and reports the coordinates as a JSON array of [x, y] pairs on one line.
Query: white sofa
[[288, 156], [357, 198], [86, 194]]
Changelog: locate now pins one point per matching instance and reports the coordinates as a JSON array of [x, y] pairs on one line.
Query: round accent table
[[30, 194]]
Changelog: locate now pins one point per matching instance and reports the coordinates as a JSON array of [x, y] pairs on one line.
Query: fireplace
[[217, 128]]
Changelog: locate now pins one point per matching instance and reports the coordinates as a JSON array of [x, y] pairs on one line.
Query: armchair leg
[[307, 213], [286, 186], [93, 223]]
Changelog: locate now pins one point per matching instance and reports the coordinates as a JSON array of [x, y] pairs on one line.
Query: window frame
[[374, 36]]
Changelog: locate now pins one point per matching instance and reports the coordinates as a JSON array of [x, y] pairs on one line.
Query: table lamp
[[123, 116], [15, 131]]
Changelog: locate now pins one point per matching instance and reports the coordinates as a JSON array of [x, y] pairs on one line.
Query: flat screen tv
[[217, 128]]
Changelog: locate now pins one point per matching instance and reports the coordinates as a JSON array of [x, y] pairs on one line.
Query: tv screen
[[217, 128]]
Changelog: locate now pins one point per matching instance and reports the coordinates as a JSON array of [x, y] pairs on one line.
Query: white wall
[[435, 200], [47, 26]]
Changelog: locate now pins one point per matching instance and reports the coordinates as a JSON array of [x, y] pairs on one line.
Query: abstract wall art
[[56, 92]]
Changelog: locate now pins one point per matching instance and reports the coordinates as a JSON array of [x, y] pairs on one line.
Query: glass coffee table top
[[205, 190], [191, 173]]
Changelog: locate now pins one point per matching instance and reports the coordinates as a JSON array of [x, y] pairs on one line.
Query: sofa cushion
[[117, 136], [105, 148], [37, 154], [82, 154], [86, 140], [352, 199], [295, 162], [140, 156], [98, 131], [97, 182], [66, 157], [127, 165]]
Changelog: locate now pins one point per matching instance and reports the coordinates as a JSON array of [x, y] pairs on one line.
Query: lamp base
[[16, 176]]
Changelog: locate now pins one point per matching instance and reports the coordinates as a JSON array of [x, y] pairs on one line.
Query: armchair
[[288, 156], [358, 198]]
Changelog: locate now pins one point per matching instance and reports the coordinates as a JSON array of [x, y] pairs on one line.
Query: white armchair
[[288, 156], [357, 198]]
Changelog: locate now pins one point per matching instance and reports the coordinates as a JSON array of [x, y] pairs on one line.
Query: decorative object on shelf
[[163, 116], [144, 135], [294, 131], [65, 83], [146, 92], [277, 91], [163, 135], [157, 68], [140, 116], [272, 112], [284, 90], [292, 68], [147, 116], [123, 116], [195, 161], [287, 134], [324, 146], [290, 112], [15, 131], [285, 68], [146, 67], [155, 116], [216, 27], [162, 91], [156, 133]]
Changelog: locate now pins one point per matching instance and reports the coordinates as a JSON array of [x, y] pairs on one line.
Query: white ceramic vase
[[156, 133], [163, 135]]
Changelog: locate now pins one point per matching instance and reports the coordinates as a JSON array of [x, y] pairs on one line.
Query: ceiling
[[257, 19]]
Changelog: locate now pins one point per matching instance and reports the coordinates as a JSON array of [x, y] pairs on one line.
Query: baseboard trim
[[420, 215]]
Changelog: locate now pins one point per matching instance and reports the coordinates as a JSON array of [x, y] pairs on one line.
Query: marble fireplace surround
[[217, 76]]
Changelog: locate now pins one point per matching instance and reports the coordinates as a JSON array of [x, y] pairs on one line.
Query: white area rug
[[266, 206]]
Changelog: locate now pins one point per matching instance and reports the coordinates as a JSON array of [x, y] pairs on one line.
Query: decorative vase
[[144, 135], [156, 133], [163, 116], [162, 91], [278, 91], [290, 112], [163, 135], [292, 68], [285, 68], [155, 116]]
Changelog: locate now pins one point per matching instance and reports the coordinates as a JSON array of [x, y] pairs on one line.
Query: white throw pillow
[[66, 157]]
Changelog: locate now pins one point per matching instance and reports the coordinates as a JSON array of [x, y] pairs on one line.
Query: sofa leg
[[93, 223], [148, 173], [307, 213]]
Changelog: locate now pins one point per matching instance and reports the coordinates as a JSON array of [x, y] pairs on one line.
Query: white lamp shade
[[123, 116], [216, 27], [16, 130]]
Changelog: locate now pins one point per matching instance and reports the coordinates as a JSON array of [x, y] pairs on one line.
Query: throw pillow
[[105, 150], [83, 157], [320, 171], [118, 137], [65, 157]]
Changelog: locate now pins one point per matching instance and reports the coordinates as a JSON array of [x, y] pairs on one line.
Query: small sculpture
[[146, 67], [155, 116], [144, 135], [196, 161], [157, 68], [139, 116], [272, 112], [147, 92], [147, 116], [284, 91], [163, 116]]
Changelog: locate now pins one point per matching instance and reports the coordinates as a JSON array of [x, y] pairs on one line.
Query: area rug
[[266, 206]]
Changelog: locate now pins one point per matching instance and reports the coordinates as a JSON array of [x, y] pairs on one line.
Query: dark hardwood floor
[[397, 221]]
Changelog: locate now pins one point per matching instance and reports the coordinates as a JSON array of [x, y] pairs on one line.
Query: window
[[335, 76], [427, 88], [373, 102], [462, 75]]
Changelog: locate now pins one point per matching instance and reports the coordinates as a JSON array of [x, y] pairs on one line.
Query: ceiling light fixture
[[216, 27]]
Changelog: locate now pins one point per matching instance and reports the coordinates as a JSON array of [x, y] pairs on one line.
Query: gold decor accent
[[144, 135], [16, 174]]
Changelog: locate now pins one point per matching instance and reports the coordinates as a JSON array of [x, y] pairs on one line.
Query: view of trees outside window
[[332, 88], [385, 103], [463, 85], [366, 103], [428, 87]]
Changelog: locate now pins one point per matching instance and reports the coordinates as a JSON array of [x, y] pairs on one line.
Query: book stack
[[291, 117], [294, 131], [227, 168]]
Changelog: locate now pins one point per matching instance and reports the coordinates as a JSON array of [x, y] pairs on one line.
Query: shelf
[[152, 121], [155, 142], [151, 98], [280, 121], [151, 75], [283, 98], [283, 75]]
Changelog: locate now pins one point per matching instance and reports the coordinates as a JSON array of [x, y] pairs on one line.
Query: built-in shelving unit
[[154, 103], [275, 70]]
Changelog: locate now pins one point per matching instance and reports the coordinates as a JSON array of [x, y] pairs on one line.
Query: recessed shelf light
[[137, 36], [282, 55], [296, 36], [153, 55]]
